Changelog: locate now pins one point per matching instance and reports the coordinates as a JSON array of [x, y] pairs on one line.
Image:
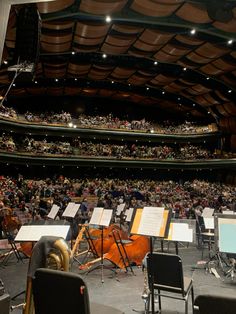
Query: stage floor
[[124, 291]]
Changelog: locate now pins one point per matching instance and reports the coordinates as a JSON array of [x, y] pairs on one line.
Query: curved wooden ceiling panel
[[222, 110], [154, 8], [102, 7], [211, 99], [88, 41], [209, 50], [106, 92], [201, 89], [146, 47], [210, 69], [56, 48], [58, 25], [59, 73], [72, 91], [165, 57], [230, 107], [122, 72], [127, 29], [155, 37], [227, 27], [36, 91], [198, 13], [227, 80], [163, 79], [49, 7], [56, 39], [91, 30], [137, 80], [119, 40], [175, 50], [55, 91], [224, 65], [196, 58], [188, 40], [110, 49]]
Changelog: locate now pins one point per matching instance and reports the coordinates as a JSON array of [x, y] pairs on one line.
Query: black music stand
[[152, 222], [101, 217]]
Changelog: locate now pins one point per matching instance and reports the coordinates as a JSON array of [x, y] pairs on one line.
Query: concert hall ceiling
[[174, 54]]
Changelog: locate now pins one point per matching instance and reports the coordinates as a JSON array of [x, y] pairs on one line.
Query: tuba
[[49, 252]]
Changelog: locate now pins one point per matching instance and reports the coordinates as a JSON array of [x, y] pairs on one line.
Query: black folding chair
[[165, 273], [214, 304], [58, 292]]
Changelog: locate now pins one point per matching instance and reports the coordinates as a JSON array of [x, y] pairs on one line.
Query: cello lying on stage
[[136, 250]]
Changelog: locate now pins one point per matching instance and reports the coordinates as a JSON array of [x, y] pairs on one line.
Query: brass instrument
[[58, 258]]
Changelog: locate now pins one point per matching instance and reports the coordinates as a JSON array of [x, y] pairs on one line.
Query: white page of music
[[129, 213], [53, 212], [181, 232], [68, 209], [73, 211], [151, 221], [207, 212], [209, 223], [120, 208], [35, 232], [96, 216], [106, 217]]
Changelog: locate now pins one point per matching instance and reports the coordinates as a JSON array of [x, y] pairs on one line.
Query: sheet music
[[207, 212], [228, 212], [53, 212], [35, 232], [129, 213], [209, 223], [68, 208], [120, 208], [151, 221], [180, 232], [96, 216], [106, 217]]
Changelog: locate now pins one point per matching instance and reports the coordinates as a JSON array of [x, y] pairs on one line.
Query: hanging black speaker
[[28, 28]]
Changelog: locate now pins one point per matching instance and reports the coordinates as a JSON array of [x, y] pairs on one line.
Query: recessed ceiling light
[[147, 88], [73, 53], [230, 91], [208, 78], [56, 80], [194, 105], [163, 92], [208, 112], [35, 82], [13, 85], [230, 41], [5, 62], [178, 98], [104, 55], [108, 19], [155, 63], [112, 82], [193, 31], [184, 69], [75, 79]]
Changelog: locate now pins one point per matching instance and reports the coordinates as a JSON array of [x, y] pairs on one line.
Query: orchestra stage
[[124, 291]]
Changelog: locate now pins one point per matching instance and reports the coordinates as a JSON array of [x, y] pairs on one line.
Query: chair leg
[[192, 293], [159, 299], [186, 306]]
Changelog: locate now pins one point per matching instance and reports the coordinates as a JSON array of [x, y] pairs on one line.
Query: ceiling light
[[208, 112], [193, 31], [75, 79], [163, 92], [178, 98], [35, 82], [184, 69], [104, 55], [147, 88], [230, 41], [73, 53], [56, 80], [208, 78], [112, 82], [155, 63], [230, 91], [5, 62], [194, 105], [108, 19], [13, 85]]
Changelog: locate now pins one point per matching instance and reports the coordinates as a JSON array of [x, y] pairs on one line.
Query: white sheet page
[[151, 221], [129, 213], [68, 209], [53, 212], [106, 217], [96, 216]]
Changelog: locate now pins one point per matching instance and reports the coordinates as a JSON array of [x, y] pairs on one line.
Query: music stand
[[179, 232], [225, 238], [101, 217], [53, 212], [152, 222]]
